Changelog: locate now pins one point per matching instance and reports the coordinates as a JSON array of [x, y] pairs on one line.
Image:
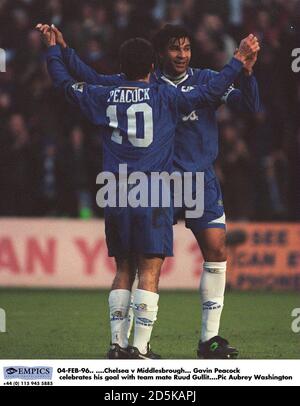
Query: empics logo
[[295, 326], [11, 371], [27, 373]]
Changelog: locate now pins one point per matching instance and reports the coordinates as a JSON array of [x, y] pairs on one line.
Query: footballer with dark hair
[[136, 58], [197, 151], [196, 148]]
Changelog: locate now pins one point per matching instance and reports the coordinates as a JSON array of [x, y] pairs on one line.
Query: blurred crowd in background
[[50, 156]]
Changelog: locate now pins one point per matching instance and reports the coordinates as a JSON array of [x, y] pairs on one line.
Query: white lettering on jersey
[[122, 95], [192, 117]]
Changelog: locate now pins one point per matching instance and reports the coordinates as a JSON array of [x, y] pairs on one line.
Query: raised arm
[[86, 97], [246, 98], [77, 68], [210, 94], [83, 72]]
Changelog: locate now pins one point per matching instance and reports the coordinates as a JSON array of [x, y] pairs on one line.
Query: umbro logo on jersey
[[192, 117], [187, 89]]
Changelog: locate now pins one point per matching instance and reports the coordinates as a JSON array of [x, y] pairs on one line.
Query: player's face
[[177, 56]]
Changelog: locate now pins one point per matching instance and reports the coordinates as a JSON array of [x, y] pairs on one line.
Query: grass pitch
[[44, 324]]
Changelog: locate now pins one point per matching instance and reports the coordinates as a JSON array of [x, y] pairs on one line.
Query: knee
[[216, 254], [124, 279], [149, 281]]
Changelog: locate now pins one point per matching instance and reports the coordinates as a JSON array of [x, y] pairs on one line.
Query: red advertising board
[[73, 254]]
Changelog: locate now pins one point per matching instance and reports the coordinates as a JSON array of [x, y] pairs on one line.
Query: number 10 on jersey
[[142, 140]]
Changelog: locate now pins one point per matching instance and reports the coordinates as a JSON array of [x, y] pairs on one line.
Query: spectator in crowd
[[235, 168], [78, 175], [17, 174], [49, 178]]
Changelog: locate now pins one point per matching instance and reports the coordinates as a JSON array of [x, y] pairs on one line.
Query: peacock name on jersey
[[125, 95]]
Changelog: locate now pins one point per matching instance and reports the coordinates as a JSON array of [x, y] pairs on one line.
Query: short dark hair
[[170, 31], [136, 58]]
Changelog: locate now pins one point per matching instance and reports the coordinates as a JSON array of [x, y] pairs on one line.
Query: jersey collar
[[161, 77]]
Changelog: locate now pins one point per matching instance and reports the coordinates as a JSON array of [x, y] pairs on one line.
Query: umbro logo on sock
[[209, 305], [143, 321]]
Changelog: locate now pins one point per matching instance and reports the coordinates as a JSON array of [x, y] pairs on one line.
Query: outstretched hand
[[48, 34], [59, 37], [247, 51]]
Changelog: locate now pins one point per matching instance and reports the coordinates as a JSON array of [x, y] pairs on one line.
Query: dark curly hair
[[169, 32], [136, 58]]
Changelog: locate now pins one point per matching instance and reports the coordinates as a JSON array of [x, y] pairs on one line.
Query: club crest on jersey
[[191, 117]]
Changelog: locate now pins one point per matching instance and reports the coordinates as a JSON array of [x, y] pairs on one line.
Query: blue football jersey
[[196, 142], [200, 126], [138, 119]]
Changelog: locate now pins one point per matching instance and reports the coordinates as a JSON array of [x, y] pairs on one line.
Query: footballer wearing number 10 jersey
[[196, 150]]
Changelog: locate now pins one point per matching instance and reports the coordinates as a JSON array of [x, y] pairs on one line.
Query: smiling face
[[176, 57]]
